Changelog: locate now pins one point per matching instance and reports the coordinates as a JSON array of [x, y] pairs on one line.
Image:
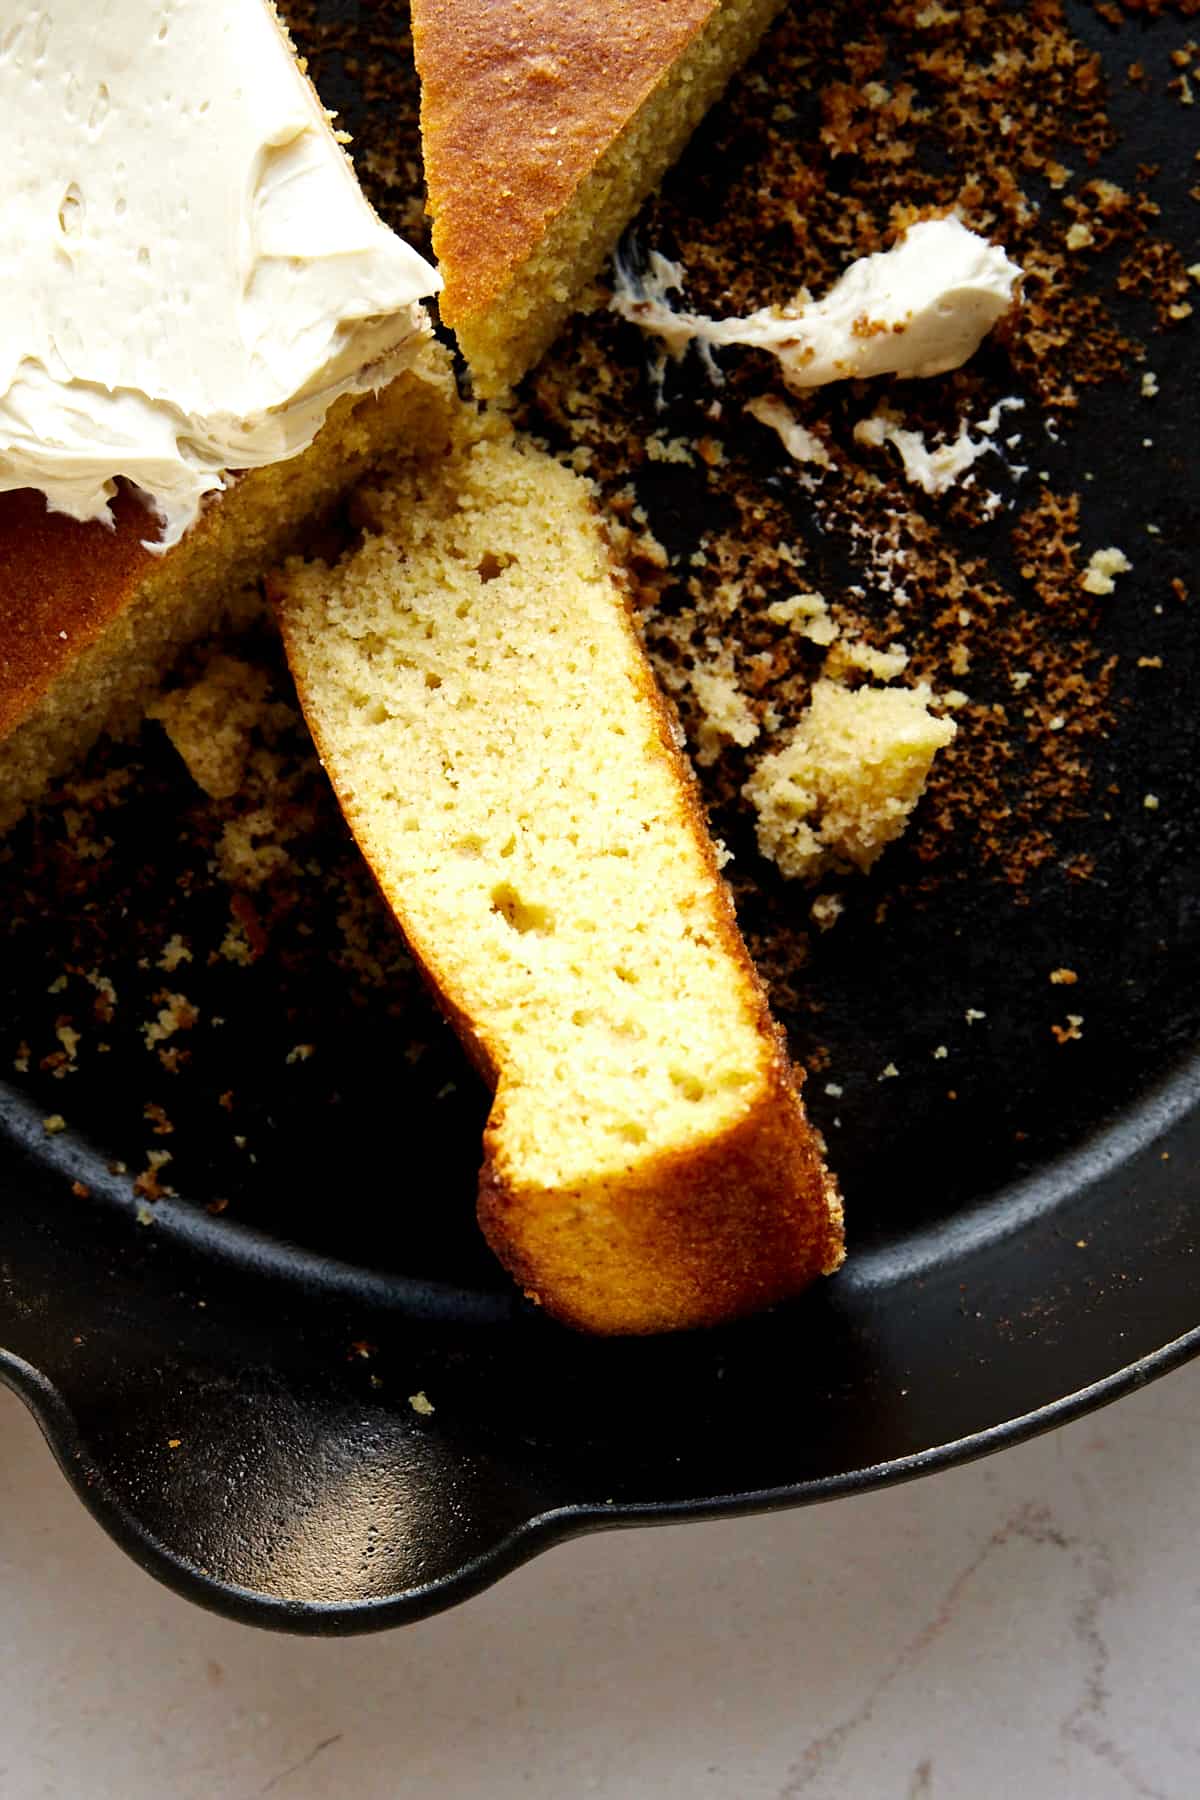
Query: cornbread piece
[[195, 284], [90, 619], [211, 722], [544, 126], [478, 695], [842, 788]]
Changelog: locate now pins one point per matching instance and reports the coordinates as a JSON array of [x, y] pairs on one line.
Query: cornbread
[[843, 785], [90, 618], [494, 735], [544, 126], [158, 333]]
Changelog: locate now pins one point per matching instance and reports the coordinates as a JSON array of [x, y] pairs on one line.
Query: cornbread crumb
[[53, 1123], [210, 722], [421, 1403], [725, 716], [176, 1013], [175, 951], [826, 910], [843, 785], [147, 1185], [1063, 977], [808, 615], [1103, 566], [851, 654]]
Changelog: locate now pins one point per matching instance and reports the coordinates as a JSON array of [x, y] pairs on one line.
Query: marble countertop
[[1027, 1626]]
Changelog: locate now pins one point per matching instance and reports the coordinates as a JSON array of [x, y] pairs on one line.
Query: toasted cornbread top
[[519, 100]]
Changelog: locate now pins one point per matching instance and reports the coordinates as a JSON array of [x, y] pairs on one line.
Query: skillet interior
[[231, 1389]]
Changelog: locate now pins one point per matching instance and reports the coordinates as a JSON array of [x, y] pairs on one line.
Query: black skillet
[[324, 1410]]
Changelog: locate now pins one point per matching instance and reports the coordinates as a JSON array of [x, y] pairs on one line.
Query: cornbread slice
[[477, 693], [90, 619], [544, 126]]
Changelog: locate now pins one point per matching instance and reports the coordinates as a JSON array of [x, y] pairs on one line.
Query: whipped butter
[[934, 468], [920, 308], [191, 275]]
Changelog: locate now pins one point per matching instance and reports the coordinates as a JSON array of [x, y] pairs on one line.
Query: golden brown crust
[[519, 100], [686, 1239], [62, 583]]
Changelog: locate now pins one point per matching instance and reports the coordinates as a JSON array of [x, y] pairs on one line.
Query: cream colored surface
[[194, 275], [920, 308], [1021, 1629]]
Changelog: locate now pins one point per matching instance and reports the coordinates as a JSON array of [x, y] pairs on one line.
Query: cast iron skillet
[[232, 1396]]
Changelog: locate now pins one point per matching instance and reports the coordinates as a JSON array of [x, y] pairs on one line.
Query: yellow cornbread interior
[[479, 698]]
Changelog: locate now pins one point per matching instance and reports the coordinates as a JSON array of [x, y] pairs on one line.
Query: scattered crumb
[[53, 1123], [852, 654], [421, 1403], [726, 717], [158, 1117], [211, 722], [1063, 977], [843, 784], [147, 1184], [1103, 566], [176, 1013], [807, 614], [826, 910], [175, 951]]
